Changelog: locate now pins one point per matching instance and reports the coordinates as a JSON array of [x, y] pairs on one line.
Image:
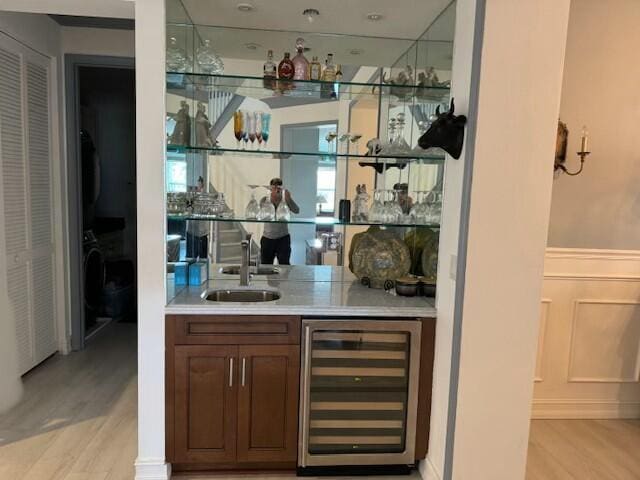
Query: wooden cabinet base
[[236, 468]]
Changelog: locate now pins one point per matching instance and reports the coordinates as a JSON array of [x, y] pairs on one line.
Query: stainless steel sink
[[241, 295], [235, 270]]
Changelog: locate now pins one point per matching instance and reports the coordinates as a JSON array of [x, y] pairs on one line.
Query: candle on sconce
[[584, 147]]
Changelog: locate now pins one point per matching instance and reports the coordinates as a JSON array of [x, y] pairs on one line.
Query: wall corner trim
[[152, 469], [428, 471]]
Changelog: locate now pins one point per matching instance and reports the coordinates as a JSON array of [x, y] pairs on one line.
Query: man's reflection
[[276, 241]]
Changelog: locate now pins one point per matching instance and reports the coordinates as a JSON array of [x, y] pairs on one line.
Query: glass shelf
[[299, 221], [254, 87], [429, 159]]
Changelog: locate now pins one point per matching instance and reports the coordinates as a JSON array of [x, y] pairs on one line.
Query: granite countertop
[[305, 290]]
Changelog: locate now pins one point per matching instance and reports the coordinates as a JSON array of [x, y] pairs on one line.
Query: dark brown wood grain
[[268, 403], [205, 404], [235, 330], [427, 352]]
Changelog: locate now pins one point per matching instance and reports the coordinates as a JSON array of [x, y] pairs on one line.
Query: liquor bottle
[[339, 73], [315, 69], [300, 63], [269, 72], [329, 72]]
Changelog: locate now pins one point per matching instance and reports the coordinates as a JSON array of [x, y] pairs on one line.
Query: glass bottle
[[338, 73], [208, 60], [329, 72], [300, 63], [285, 68], [315, 69], [270, 73]]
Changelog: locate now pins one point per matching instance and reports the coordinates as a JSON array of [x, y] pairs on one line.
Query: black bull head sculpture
[[446, 132]]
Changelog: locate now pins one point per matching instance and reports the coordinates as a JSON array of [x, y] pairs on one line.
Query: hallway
[[77, 417]]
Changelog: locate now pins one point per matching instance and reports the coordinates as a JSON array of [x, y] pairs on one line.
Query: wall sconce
[[561, 150]]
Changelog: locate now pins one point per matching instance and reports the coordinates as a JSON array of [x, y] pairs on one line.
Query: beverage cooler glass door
[[359, 392]]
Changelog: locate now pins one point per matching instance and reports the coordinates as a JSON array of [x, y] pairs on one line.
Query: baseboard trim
[[152, 469], [584, 409], [428, 471]]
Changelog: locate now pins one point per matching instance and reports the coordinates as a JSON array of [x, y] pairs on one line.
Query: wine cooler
[[359, 393]]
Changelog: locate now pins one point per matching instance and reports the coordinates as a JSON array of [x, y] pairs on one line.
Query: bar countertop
[[305, 290]]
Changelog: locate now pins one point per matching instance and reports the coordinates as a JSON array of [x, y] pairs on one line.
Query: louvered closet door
[[25, 157]]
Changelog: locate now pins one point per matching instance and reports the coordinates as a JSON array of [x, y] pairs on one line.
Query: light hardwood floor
[[77, 417], [77, 421], [584, 450]]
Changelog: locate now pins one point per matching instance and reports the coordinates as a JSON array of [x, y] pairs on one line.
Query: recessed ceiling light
[[252, 46], [311, 14], [374, 17], [356, 51], [245, 7]]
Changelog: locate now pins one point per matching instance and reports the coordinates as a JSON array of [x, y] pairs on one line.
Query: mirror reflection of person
[[405, 201], [276, 241], [197, 231]]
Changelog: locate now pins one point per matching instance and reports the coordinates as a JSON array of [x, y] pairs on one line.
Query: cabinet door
[[206, 395], [268, 403]]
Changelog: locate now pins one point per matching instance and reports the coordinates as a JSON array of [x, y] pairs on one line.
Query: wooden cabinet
[[205, 404], [232, 392], [268, 403]]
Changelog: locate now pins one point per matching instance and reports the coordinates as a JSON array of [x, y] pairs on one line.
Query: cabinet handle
[[231, 372], [244, 366]]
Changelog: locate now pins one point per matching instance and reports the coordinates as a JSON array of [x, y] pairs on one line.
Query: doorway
[[102, 180]]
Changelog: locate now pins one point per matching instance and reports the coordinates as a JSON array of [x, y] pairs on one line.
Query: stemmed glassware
[[258, 116], [376, 214], [330, 137], [267, 210], [238, 126], [266, 124], [355, 139], [283, 213], [388, 148], [245, 137], [252, 128], [253, 209], [344, 142]]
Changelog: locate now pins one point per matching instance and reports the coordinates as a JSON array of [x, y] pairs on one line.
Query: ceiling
[[86, 8], [406, 19], [248, 35]]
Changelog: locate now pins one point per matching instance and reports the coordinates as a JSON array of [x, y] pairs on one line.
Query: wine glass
[[253, 209], [344, 141], [283, 213], [266, 123], [252, 128], [355, 138], [258, 116], [267, 211], [245, 136], [330, 137], [400, 144], [238, 126], [414, 213], [377, 208]]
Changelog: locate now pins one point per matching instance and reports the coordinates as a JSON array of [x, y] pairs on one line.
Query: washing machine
[[93, 276]]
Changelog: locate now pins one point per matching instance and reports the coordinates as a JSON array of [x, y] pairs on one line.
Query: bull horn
[[438, 110], [452, 108]]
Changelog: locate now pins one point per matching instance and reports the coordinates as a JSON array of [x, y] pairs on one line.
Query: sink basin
[[235, 270], [241, 295]]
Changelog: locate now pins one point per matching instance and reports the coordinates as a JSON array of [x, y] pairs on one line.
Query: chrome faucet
[[245, 274]]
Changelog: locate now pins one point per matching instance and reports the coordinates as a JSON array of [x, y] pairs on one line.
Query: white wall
[[98, 41], [600, 208], [515, 130], [152, 255], [589, 341]]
